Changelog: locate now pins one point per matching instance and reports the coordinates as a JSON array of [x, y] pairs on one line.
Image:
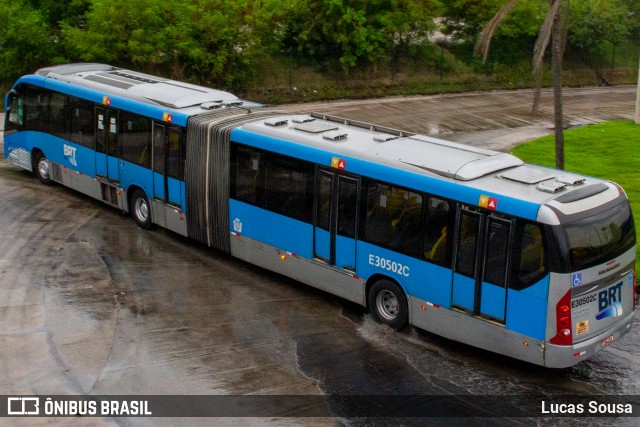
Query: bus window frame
[[11, 126], [515, 281]]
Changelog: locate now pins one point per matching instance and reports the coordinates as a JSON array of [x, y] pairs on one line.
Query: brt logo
[[70, 154], [610, 302]]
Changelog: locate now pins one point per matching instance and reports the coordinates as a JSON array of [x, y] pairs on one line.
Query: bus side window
[[35, 106], [57, 115], [82, 128], [289, 186], [248, 172], [135, 143], [495, 267], [175, 160], [530, 257], [394, 218], [438, 219], [378, 229], [468, 244]]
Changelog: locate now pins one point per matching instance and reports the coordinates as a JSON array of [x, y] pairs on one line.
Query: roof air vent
[[551, 187], [233, 103], [570, 180], [384, 137], [315, 127], [211, 105], [335, 136], [527, 175], [302, 119], [276, 122]]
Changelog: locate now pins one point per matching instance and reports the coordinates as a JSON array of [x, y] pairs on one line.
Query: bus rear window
[[601, 237]]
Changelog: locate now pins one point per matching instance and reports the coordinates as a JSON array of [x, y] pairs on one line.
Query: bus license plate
[[607, 341]]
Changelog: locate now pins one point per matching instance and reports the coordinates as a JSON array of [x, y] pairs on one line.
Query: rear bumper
[[561, 356]]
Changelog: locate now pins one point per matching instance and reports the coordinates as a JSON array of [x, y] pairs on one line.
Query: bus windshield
[[601, 237]]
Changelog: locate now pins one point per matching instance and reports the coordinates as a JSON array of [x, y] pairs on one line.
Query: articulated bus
[[470, 244]]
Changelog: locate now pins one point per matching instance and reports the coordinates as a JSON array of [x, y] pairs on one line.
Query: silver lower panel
[[477, 332], [311, 272], [166, 216], [21, 158], [558, 356]]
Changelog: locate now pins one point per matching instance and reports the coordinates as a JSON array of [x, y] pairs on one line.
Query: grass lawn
[[609, 150]]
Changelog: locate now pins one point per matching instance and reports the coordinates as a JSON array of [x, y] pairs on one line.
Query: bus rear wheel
[[141, 209], [42, 169], [388, 304]]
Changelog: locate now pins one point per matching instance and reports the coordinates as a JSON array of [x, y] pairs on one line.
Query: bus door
[[336, 213], [159, 161], [481, 264], [107, 143], [167, 160]]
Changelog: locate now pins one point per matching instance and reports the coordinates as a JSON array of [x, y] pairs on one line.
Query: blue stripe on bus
[[53, 149], [90, 163], [436, 186], [282, 232], [346, 253], [526, 309], [464, 290], [116, 102], [132, 174], [526, 313], [493, 300], [420, 279]]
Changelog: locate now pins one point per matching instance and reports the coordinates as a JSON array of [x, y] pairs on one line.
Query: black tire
[[42, 169], [140, 209], [388, 304]]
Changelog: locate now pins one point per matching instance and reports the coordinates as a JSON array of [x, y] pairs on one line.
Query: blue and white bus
[[470, 244]]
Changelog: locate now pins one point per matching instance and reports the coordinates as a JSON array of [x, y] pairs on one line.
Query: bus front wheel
[[388, 304], [42, 170], [141, 209]]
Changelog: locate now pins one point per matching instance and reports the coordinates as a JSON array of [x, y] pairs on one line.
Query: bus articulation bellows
[[471, 244]]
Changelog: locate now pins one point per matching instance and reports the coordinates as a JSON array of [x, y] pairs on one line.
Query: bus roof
[[447, 166], [489, 172], [184, 97]]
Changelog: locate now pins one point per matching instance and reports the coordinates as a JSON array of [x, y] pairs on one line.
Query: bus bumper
[[561, 356]]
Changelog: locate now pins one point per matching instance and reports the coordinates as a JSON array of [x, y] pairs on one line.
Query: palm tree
[[552, 29]]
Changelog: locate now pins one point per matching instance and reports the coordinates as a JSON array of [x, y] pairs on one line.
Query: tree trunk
[[557, 86]]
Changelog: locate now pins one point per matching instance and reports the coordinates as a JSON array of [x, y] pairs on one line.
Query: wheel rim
[[142, 209], [387, 304], [43, 168]]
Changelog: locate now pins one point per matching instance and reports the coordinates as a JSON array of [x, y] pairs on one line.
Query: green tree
[[466, 18], [596, 27], [230, 37], [57, 11], [144, 34], [354, 32], [25, 42]]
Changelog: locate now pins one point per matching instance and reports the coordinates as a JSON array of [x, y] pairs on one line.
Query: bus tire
[[388, 304], [42, 169], [141, 209]]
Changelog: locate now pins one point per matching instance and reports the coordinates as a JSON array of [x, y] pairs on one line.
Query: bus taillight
[[563, 322]]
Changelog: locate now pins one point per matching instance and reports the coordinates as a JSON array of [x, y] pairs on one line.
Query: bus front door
[[336, 213], [481, 264], [107, 144]]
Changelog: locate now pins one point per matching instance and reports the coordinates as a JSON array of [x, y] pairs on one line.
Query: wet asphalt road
[[91, 304]]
